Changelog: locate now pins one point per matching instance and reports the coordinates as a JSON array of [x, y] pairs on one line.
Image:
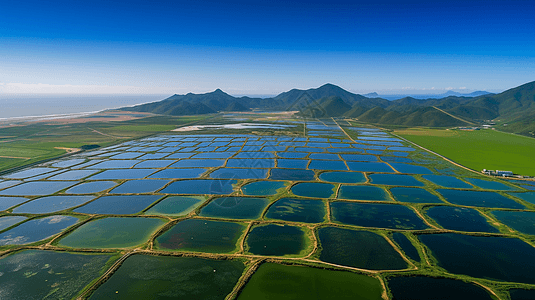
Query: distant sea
[[12, 106]]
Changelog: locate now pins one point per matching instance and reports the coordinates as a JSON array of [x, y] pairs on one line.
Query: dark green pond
[[276, 240], [343, 177], [522, 221], [262, 188], [406, 246], [499, 258], [297, 210], [139, 186], [359, 249], [36, 230], [425, 288], [51, 204], [202, 236], [462, 219], [414, 195], [118, 205], [392, 179], [200, 186], [447, 181], [235, 208], [160, 277], [313, 189], [297, 174], [481, 199], [376, 215], [363, 192], [37, 274], [275, 281], [112, 233], [176, 206]]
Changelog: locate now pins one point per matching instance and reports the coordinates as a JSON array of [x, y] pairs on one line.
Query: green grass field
[[480, 149]]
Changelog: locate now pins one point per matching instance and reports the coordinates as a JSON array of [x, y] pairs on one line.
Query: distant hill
[[515, 106]]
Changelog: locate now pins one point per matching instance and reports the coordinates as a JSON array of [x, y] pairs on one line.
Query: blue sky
[[264, 47]]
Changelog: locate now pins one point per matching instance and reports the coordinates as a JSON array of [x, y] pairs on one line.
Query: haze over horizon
[[259, 48]]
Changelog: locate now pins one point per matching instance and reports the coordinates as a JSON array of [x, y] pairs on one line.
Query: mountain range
[[516, 107]]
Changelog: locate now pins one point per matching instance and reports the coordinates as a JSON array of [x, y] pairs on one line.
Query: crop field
[[317, 208], [479, 149]]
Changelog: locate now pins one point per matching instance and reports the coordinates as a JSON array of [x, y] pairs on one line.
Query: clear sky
[[264, 47]]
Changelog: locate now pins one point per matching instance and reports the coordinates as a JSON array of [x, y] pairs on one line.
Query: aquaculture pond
[[200, 163], [161, 277], [529, 196], [313, 189], [376, 215], [176, 206], [29, 173], [37, 188], [36, 230], [38, 274], [51, 204], [411, 169], [297, 210], [499, 258], [201, 236], [7, 183], [118, 205], [7, 202], [297, 174], [262, 188], [391, 179], [178, 173], [68, 163], [369, 167], [235, 208], [123, 174], [522, 221], [73, 175], [275, 281], [406, 245], [343, 177], [154, 164], [481, 199], [359, 249], [424, 288], [447, 181], [521, 294], [115, 164], [139, 186], [292, 163], [414, 195], [490, 185], [363, 193], [461, 219], [327, 165], [277, 240], [91, 187], [200, 187], [237, 173], [112, 233], [9, 221]]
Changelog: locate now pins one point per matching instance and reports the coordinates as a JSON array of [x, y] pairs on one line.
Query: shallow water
[[283, 174], [327, 165], [200, 186], [391, 179], [447, 181], [91, 187], [139, 186], [462, 219], [38, 188], [369, 167], [118, 205], [356, 192], [414, 195], [176, 206], [9, 221], [522, 221], [236, 173], [262, 188], [51, 204], [112, 233], [343, 177], [481, 199], [7, 202], [489, 185]]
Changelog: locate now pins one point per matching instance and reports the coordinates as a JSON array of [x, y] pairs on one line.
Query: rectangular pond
[[297, 210], [118, 205]]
